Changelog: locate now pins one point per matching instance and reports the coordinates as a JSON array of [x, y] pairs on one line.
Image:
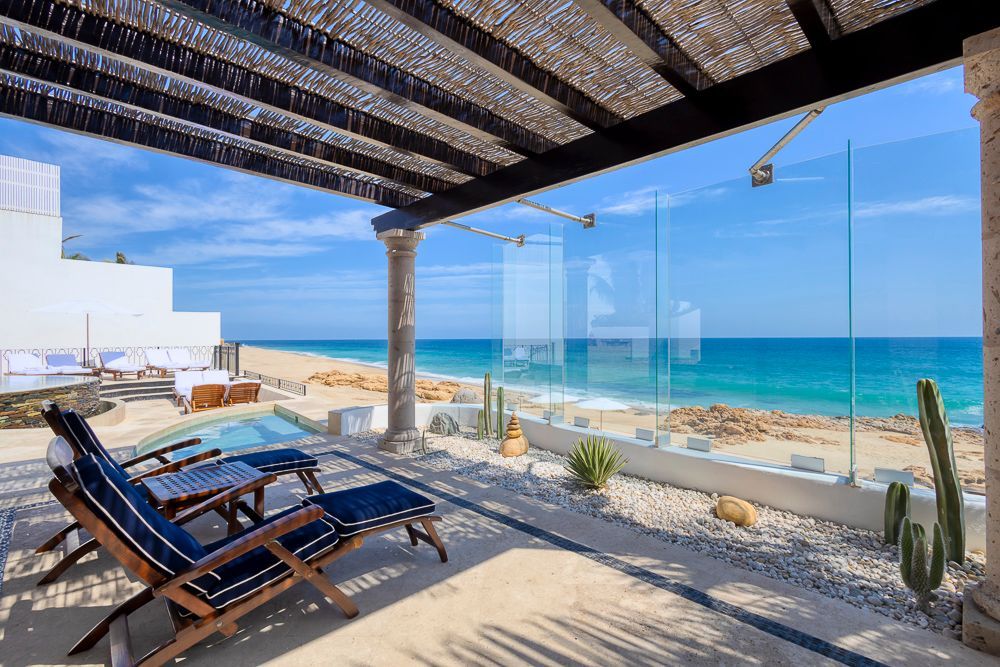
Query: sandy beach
[[893, 442]]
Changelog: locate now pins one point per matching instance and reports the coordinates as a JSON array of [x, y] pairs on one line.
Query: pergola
[[441, 108]]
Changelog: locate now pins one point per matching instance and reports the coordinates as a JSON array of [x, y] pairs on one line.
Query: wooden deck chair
[[205, 397], [82, 441], [243, 392], [206, 588]]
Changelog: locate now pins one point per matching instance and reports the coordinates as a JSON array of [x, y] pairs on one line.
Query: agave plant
[[593, 461]]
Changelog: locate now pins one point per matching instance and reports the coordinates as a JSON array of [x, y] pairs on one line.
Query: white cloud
[[935, 84], [77, 155], [932, 205]]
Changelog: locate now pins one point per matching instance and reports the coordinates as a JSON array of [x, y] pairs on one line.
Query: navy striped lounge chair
[[83, 441], [207, 588]]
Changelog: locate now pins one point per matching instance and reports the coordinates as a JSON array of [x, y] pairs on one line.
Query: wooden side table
[[175, 491]]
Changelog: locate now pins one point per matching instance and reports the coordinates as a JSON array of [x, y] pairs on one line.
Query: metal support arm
[[762, 171], [519, 240], [587, 221]]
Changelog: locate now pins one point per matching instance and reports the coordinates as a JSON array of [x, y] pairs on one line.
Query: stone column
[[981, 623], [402, 435]]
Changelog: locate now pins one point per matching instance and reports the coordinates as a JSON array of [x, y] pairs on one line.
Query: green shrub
[[593, 461]]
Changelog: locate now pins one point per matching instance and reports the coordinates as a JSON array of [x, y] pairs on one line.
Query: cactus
[[937, 434], [897, 507], [479, 425], [913, 568], [500, 407], [487, 406]]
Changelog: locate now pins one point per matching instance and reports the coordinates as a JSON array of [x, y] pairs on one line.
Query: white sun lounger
[[186, 381], [66, 364], [181, 355], [25, 363], [117, 364], [158, 360]]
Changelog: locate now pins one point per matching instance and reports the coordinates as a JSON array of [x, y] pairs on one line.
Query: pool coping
[[232, 412]]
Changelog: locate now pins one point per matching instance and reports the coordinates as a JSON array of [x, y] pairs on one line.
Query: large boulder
[[465, 395], [738, 511], [443, 424]]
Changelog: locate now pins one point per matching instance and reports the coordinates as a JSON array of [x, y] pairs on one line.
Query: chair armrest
[[245, 544], [159, 452], [174, 466], [228, 496]]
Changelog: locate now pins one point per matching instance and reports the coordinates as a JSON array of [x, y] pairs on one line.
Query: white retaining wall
[[821, 495]]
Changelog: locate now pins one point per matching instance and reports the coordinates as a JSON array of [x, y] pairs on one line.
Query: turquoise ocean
[[800, 375]]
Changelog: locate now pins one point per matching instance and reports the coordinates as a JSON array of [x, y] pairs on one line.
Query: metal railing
[[227, 358], [135, 353], [290, 386]]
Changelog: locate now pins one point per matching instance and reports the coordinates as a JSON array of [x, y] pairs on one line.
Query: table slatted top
[[196, 483]]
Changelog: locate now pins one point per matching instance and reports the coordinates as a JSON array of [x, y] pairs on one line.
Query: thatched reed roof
[[408, 103]]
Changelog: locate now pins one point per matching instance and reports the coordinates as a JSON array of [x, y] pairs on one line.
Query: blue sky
[[281, 261]]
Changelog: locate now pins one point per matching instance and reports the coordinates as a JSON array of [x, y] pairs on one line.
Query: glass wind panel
[[758, 301], [528, 324], [611, 320], [918, 300]]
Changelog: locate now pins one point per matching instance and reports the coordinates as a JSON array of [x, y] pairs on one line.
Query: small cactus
[[487, 406], [897, 507], [947, 488], [479, 425], [592, 462], [500, 423], [913, 568]]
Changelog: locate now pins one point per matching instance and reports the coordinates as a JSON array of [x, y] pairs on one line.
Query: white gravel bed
[[834, 560]]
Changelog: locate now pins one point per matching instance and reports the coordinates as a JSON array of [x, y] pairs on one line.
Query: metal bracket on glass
[[762, 171], [588, 221], [519, 240]]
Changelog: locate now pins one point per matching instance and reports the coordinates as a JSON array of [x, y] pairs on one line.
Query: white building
[[33, 275]]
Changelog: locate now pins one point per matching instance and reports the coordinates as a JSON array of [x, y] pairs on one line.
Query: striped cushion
[[371, 506], [168, 548], [255, 569], [275, 460], [87, 442]]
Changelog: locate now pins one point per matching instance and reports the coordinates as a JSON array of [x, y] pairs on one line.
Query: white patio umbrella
[[550, 397], [87, 308], [602, 405]]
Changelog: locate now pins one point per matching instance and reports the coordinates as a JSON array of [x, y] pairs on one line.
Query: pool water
[[233, 434]]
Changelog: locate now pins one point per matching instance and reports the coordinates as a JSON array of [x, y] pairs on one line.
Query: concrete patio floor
[[526, 583]]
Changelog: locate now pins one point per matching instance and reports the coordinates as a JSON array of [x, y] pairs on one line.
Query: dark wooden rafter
[[42, 103], [78, 76], [461, 36], [631, 25], [905, 45], [816, 19], [76, 27], [275, 31]]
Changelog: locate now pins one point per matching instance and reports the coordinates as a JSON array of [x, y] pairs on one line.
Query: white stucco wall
[[33, 275]]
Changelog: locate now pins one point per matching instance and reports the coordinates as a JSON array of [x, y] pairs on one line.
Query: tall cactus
[[937, 435], [913, 568], [897, 508], [500, 408], [487, 405]]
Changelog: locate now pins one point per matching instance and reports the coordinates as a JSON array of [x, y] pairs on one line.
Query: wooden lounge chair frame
[[201, 619], [77, 544], [205, 397], [115, 373], [243, 392]]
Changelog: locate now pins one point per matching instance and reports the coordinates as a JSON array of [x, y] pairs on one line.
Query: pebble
[[837, 561]]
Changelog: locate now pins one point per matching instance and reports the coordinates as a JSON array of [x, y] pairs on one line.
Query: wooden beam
[[461, 36], [78, 76], [915, 42], [273, 30], [75, 27], [42, 103], [817, 21], [631, 25]]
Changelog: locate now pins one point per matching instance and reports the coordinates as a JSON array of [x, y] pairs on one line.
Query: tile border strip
[[737, 613]]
